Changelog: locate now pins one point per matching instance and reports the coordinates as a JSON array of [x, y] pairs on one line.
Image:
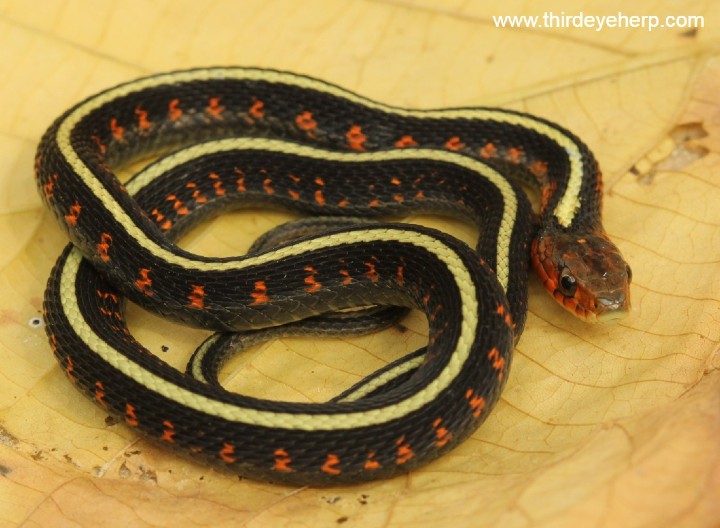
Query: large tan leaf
[[598, 426]]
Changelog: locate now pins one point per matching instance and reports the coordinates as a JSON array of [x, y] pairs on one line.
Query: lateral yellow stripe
[[299, 421], [195, 366], [361, 391], [384, 378], [564, 211]]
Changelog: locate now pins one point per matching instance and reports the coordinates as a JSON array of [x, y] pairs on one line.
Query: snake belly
[[340, 155]]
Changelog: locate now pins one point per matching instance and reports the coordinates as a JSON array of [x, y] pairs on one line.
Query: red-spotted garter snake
[[341, 155]]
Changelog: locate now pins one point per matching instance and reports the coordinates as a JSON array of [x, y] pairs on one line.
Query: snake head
[[587, 275]]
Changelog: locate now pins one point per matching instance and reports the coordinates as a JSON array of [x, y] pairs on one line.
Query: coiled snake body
[[256, 136]]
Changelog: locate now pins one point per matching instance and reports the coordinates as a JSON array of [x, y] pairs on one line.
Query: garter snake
[[262, 137]]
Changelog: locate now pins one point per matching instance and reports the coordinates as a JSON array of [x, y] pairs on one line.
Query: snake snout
[[612, 306]]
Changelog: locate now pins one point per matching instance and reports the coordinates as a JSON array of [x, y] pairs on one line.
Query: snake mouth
[[601, 310], [610, 317], [611, 310], [607, 317]]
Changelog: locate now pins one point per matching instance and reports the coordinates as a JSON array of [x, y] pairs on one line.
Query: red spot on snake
[[214, 108], [117, 131], [319, 181], [399, 198], [488, 151], [347, 279], [294, 178], [477, 402], [282, 461], [101, 147], [107, 296], [72, 217], [144, 282], [259, 294], [178, 205], [344, 202], [169, 432], [441, 433], [267, 185], [174, 110], [306, 122], [227, 453], [514, 155], [143, 122], [217, 184], [498, 361], [372, 273], [157, 215], [49, 187], [69, 367], [319, 197], [406, 141], [404, 452], [104, 246], [395, 180], [400, 275], [240, 181], [420, 195], [546, 194], [197, 194], [436, 310], [130, 416], [294, 194], [331, 465], [539, 170], [197, 297], [312, 285], [504, 313], [454, 143], [371, 463], [257, 110], [434, 337], [355, 138], [100, 394]]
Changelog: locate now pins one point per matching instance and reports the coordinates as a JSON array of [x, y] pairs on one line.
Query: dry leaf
[[598, 426]]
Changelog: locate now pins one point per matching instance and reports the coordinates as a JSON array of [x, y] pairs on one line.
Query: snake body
[[340, 155]]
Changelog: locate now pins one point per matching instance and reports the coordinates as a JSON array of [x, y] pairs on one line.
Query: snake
[[239, 137]]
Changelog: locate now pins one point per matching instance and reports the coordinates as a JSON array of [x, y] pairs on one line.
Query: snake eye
[[568, 283], [628, 271]]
